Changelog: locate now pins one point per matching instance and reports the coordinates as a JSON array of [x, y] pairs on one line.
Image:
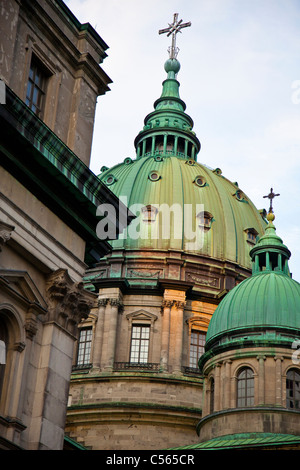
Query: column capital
[[115, 302], [167, 303], [68, 301], [179, 304], [102, 302]]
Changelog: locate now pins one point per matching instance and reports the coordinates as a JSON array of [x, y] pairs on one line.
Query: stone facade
[[268, 414], [48, 202], [117, 404], [69, 54]]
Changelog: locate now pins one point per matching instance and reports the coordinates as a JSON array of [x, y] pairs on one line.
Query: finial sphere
[[172, 65]]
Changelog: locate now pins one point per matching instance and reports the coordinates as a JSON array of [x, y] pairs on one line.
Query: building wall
[[160, 400], [268, 413], [70, 56], [42, 298], [41, 266], [41, 242]]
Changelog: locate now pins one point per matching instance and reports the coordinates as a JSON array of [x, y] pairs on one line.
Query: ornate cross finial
[[271, 196], [173, 29]]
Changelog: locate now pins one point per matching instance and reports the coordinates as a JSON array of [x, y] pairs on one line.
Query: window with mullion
[[245, 388], [84, 347], [140, 337], [36, 87], [196, 347], [293, 389]]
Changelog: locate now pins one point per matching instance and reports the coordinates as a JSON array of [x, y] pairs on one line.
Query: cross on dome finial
[[173, 29], [271, 196]]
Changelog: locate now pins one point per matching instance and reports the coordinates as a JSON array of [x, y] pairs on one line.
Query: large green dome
[[264, 307], [230, 219], [212, 216]]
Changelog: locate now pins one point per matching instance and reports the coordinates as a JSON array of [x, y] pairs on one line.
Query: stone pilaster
[[98, 340], [165, 334], [111, 319], [68, 304], [179, 308]]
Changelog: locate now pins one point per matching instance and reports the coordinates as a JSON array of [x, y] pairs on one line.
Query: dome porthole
[[110, 179], [128, 160], [158, 158], [154, 176], [200, 181], [239, 195]]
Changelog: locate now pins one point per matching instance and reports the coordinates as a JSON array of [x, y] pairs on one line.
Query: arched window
[[3, 349], [293, 389], [245, 387]]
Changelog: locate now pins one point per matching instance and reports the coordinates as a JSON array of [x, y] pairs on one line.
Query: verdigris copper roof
[[195, 188], [216, 216], [264, 307], [246, 441]]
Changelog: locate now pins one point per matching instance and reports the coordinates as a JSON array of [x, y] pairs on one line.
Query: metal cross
[[271, 196], [173, 29]]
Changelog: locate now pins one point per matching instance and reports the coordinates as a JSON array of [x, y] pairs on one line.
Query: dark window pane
[[245, 388], [139, 343], [196, 347], [293, 389], [36, 86], [84, 346]]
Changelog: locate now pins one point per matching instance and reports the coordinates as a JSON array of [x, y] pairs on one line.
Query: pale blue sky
[[240, 80]]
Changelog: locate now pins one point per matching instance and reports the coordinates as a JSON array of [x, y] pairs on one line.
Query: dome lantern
[[168, 129]]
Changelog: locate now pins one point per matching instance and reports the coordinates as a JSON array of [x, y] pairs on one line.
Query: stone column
[[217, 387], [115, 304], [227, 384], [261, 380], [278, 380], [99, 333], [165, 334], [179, 307], [68, 304]]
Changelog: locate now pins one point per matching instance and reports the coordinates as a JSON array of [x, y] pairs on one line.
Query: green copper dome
[[265, 307], [211, 210], [205, 213]]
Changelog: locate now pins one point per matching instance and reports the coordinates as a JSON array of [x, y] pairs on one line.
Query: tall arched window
[[3, 349], [245, 387], [293, 389]]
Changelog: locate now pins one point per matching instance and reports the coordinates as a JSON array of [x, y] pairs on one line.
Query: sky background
[[240, 80]]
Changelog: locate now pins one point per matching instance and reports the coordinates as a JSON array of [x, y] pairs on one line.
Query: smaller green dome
[[265, 301], [264, 307]]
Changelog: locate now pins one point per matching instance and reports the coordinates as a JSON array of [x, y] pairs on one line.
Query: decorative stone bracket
[[5, 233], [68, 302]]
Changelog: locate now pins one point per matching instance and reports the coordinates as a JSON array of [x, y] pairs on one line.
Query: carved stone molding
[[102, 302], [68, 301], [5, 233], [114, 302], [167, 304], [179, 304]]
